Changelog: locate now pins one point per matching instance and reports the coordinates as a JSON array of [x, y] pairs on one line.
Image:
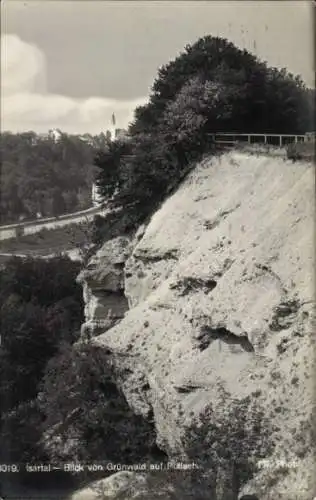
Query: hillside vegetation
[[49, 241], [50, 384], [45, 175], [212, 86], [41, 310]]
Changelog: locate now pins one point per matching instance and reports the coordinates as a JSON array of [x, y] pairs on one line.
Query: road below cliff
[[31, 227]]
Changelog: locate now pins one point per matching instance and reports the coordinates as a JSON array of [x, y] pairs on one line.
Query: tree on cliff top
[[272, 99], [211, 87]]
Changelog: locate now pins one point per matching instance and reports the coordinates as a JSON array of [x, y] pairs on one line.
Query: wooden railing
[[230, 139]]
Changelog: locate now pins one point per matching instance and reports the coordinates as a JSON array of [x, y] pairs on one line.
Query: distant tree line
[[211, 87], [46, 175]]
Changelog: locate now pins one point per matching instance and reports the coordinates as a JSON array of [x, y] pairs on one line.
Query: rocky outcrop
[[218, 337], [103, 287], [158, 485], [113, 487]]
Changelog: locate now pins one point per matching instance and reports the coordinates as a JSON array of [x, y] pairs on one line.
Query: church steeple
[[113, 127]]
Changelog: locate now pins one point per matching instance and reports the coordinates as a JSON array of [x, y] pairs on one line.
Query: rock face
[[113, 487], [103, 287], [219, 331], [128, 485]]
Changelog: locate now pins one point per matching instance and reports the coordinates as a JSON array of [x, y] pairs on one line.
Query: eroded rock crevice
[[207, 335], [148, 258], [191, 284], [212, 224], [284, 314]]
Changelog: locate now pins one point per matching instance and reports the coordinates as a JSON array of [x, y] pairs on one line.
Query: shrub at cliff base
[[229, 444], [87, 418]]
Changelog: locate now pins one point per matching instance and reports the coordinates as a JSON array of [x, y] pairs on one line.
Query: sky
[[71, 64]]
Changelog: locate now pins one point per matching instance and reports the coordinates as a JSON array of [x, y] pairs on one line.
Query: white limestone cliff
[[220, 290], [103, 287]]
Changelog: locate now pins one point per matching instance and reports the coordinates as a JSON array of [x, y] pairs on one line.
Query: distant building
[[97, 198], [54, 134], [87, 138]]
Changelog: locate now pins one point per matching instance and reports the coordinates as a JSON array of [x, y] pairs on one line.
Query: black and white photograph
[[157, 250]]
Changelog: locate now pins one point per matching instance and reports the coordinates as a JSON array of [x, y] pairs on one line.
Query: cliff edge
[[214, 321]]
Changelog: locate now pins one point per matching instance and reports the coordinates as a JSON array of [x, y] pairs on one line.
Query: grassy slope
[[47, 241]]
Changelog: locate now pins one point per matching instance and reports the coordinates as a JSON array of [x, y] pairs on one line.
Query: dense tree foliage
[[211, 87], [59, 400], [110, 157], [270, 100], [46, 175], [41, 308], [87, 413]]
